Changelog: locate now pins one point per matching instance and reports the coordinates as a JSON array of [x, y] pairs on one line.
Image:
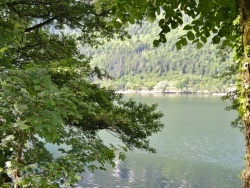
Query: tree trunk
[[244, 7], [16, 173]]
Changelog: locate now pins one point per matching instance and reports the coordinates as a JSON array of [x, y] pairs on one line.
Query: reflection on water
[[196, 149], [159, 172], [120, 171]]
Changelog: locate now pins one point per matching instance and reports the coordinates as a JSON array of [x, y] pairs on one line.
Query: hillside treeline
[[136, 64]]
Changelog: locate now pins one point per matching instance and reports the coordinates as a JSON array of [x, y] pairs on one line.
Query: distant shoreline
[[169, 92]]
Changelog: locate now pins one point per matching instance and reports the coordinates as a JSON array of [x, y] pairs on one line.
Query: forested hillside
[[136, 64]]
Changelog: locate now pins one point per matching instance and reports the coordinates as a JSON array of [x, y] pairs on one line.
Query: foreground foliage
[[47, 96]]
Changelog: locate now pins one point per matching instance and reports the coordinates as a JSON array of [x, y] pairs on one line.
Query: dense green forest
[[136, 64]]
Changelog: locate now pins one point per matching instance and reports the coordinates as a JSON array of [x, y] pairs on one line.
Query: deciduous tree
[[47, 96]]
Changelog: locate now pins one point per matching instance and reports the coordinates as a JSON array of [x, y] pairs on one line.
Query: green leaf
[[122, 156], [178, 45], [190, 35], [179, 20], [174, 24], [102, 168], [2, 50], [216, 40], [199, 45], [174, 4], [163, 38], [158, 10], [206, 33], [92, 168], [97, 4], [131, 20], [156, 43], [21, 125], [117, 24], [151, 16], [37, 87], [77, 177], [196, 41], [54, 185], [24, 127], [157, 3], [196, 28], [126, 24], [166, 29], [226, 43], [214, 30], [168, 11], [203, 39], [184, 42], [161, 22]]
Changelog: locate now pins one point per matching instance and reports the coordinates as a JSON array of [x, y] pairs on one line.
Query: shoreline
[[169, 92]]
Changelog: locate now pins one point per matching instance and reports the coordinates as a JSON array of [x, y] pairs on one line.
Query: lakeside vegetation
[[48, 98], [135, 64]]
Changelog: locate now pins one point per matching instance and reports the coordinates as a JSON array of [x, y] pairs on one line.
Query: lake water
[[197, 148]]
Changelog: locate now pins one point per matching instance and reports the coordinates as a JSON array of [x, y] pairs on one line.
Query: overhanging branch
[[40, 25]]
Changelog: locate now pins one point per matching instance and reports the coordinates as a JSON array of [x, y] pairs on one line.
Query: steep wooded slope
[[135, 63]]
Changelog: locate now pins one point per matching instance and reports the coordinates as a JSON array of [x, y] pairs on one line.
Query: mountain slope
[[136, 64]]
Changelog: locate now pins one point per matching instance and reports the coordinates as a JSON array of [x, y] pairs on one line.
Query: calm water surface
[[197, 148]]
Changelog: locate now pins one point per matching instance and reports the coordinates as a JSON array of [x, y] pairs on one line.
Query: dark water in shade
[[197, 149]]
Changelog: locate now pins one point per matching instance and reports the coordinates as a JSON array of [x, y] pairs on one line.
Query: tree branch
[[41, 24]]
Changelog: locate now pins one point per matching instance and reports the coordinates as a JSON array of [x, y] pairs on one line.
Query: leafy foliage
[[213, 17], [47, 96]]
